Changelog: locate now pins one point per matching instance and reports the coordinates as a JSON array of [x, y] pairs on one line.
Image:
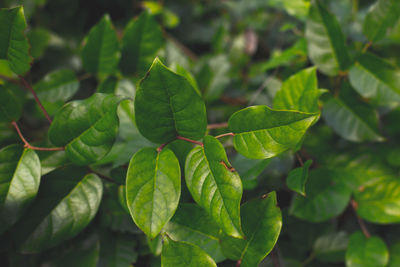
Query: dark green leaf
[[382, 15], [10, 105], [325, 41], [192, 224], [249, 169], [394, 255], [182, 254], [166, 105], [140, 44], [261, 132], [215, 185], [366, 252], [19, 182], [331, 247], [153, 188], [117, 250], [376, 79], [101, 51], [299, 92], [297, 178], [39, 39], [262, 223], [87, 128], [14, 45], [326, 197], [66, 203]]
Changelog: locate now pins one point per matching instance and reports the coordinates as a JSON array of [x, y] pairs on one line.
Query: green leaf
[[182, 254], [39, 38], [352, 119], [325, 41], [19, 182], [215, 185], [117, 250], [66, 203], [331, 247], [382, 15], [14, 45], [261, 132], [297, 178], [375, 79], [394, 255], [10, 105], [299, 92], [366, 252], [262, 223], [87, 128], [379, 202], [101, 51], [327, 197], [140, 44], [153, 188], [192, 224], [166, 105], [249, 169], [59, 85]]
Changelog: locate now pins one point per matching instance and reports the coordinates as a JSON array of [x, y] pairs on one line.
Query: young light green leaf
[[215, 185], [375, 79], [140, 44], [325, 41], [326, 196], [331, 247], [19, 179], [366, 252], [10, 105], [350, 118], [382, 15], [261, 132], [262, 223], [297, 178], [299, 92], [379, 202], [14, 45], [101, 51], [153, 188], [182, 254], [87, 128], [66, 203], [59, 85], [166, 105]]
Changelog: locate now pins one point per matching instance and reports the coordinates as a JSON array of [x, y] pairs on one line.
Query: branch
[[225, 134], [360, 221], [29, 87], [189, 140], [367, 45], [299, 159], [27, 145], [102, 176], [217, 125], [11, 80]]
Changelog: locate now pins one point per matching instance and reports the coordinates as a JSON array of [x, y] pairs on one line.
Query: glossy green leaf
[[87, 128], [117, 250], [249, 169], [101, 51], [297, 178], [14, 45], [326, 197], [375, 79], [331, 247], [10, 105], [382, 15], [215, 185], [66, 203], [194, 225], [19, 182], [262, 223], [394, 255], [153, 188], [366, 252], [299, 92], [57, 85], [352, 119], [325, 41], [140, 44], [261, 132], [182, 254], [166, 105], [379, 202]]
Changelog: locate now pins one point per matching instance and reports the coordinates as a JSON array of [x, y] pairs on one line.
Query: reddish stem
[[29, 87], [27, 145], [363, 227], [299, 159], [189, 140], [225, 134], [217, 125]]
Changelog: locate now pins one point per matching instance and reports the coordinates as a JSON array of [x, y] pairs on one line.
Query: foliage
[[173, 133]]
